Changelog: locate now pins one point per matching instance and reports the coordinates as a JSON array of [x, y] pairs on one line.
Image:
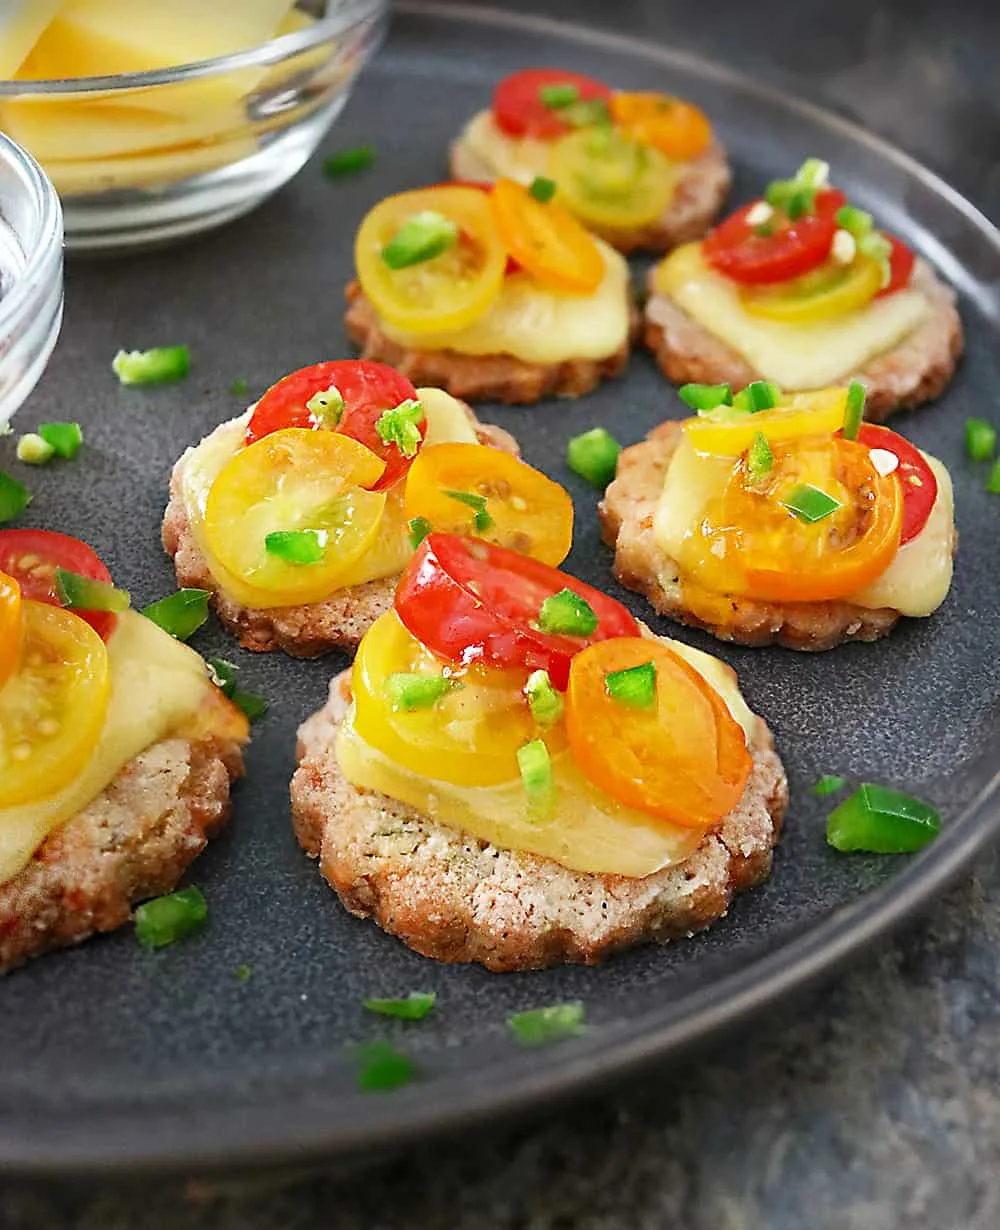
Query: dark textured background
[[871, 1105]]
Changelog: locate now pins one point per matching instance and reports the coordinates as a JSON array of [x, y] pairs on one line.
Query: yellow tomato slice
[[831, 290], [10, 626], [295, 480], [447, 292], [52, 710], [749, 542], [801, 414], [474, 489], [468, 737], [677, 129], [609, 181], [683, 758], [546, 239]]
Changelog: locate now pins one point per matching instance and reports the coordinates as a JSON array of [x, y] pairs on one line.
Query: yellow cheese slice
[[446, 421], [795, 356], [156, 683], [21, 25], [520, 158], [540, 325], [93, 38], [915, 583], [588, 830]]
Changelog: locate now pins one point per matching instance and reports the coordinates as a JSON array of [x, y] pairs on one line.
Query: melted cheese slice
[[588, 830], [915, 583], [156, 684], [807, 356], [447, 421], [540, 325], [520, 158]]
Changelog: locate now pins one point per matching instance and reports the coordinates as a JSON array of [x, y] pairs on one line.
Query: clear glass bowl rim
[[348, 14], [46, 248]]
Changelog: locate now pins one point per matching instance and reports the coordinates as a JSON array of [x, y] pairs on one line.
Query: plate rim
[[234, 1138]]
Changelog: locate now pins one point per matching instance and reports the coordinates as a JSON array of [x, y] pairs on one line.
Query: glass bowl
[[148, 157], [31, 274]]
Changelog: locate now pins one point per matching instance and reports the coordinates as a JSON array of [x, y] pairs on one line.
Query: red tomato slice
[[470, 601], [518, 108], [915, 476], [367, 389], [735, 249], [901, 261], [31, 557]]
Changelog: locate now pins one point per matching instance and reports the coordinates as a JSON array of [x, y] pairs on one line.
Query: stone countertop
[[872, 1104]]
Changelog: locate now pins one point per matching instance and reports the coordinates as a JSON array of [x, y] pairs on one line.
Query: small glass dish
[[31, 274], [148, 157]]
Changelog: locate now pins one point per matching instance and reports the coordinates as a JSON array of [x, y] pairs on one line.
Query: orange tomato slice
[[546, 239], [676, 128], [474, 489], [10, 626], [684, 758], [748, 542]]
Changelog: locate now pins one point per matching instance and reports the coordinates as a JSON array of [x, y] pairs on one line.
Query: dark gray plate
[[116, 1058]]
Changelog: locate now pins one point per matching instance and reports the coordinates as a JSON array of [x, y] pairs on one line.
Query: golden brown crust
[[452, 897], [698, 197], [914, 371], [339, 622], [494, 377], [626, 514], [132, 842]]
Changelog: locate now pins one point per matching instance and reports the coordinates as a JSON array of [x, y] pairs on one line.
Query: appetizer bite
[[300, 515], [782, 518], [517, 773], [491, 293], [116, 749], [799, 288], [641, 170]]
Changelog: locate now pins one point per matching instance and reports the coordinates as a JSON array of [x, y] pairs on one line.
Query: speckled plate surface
[[117, 1059]]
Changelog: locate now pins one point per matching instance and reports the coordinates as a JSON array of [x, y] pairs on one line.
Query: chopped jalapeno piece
[[810, 504], [541, 1025], [758, 395], [634, 686], [84, 594], [401, 426], [426, 235], [705, 396], [559, 94], [854, 410], [536, 773], [594, 456], [542, 188], [381, 1067], [63, 438], [567, 614], [407, 692], [760, 459], [878, 820], [413, 1007], [14, 497], [181, 614], [419, 528], [160, 365], [303, 547], [348, 161], [829, 783], [544, 701], [980, 439], [164, 920]]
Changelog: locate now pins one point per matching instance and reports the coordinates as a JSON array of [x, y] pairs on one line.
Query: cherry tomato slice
[[52, 710], [294, 480], [546, 239], [518, 108], [470, 736], [684, 758], [31, 557], [526, 510], [814, 413], [676, 128], [735, 249], [368, 389], [469, 601], [916, 477], [748, 541], [901, 262], [611, 181], [10, 626]]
